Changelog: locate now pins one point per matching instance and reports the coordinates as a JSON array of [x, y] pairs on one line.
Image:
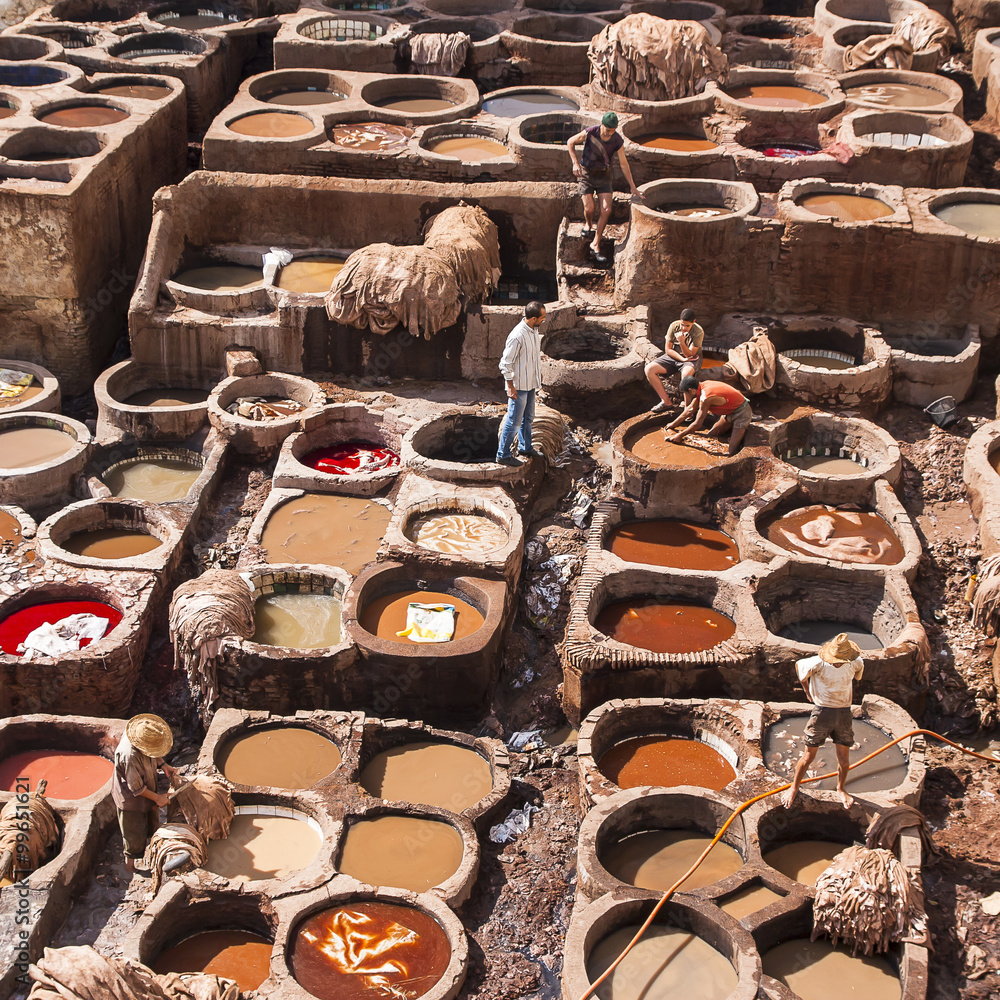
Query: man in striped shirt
[[521, 367]]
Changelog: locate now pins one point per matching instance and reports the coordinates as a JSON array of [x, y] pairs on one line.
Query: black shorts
[[595, 183], [673, 366]]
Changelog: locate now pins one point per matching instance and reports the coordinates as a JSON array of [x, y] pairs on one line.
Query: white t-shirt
[[830, 685]]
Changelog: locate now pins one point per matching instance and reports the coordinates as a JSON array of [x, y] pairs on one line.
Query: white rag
[[64, 636], [429, 622]]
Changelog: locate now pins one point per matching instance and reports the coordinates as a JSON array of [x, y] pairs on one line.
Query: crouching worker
[[718, 399], [141, 751]]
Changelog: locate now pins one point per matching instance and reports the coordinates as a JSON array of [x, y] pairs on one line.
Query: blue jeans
[[520, 414]]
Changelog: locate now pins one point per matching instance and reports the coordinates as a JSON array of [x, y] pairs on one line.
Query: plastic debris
[[517, 822]]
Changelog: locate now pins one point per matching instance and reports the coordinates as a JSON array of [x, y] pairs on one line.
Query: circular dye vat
[[895, 95], [297, 620], [656, 859], [775, 96], [977, 218], [29, 392], [142, 91], [84, 116], [816, 970], [415, 105], [749, 900], [304, 97], [372, 136], [785, 150], [340, 953], [676, 142], [162, 398], [457, 534], [27, 447], [10, 528], [313, 275], [430, 774], [272, 124], [828, 360], [666, 761], [664, 626], [386, 616], [326, 529], [653, 447], [220, 277], [262, 846], [529, 102], [16, 627], [694, 211], [847, 536], [404, 852], [71, 774], [804, 860], [350, 457], [784, 742], [194, 22], [845, 207], [158, 480], [110, 543], [679, 544], [279, 757], [815, 633], [470, 148], [666, 964], [828, 465], [238, 955]]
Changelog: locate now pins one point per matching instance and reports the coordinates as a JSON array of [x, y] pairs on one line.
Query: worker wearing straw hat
[[147, 740], [828, 681]]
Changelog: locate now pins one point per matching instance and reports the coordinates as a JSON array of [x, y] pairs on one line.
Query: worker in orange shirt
[[718, 399]]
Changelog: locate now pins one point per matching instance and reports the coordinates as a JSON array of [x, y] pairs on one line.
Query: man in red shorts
[[718, 399]]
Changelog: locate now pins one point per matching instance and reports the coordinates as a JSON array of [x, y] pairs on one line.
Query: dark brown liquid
[[680, 544], [110, 543], [145, 91], [367, 950], [236, 955], [656, 859], [10, 527], [666, 761], [772, 96], [279, 757], [386, 616], [676, 142], [84, 116], [674, 627], [847, 536], [271, 125], [167, 397], [416, 105], [816, 970], [6, 111], [695, 452]]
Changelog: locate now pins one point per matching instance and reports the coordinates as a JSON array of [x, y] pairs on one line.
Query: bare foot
[[789, 797], [846, 799]]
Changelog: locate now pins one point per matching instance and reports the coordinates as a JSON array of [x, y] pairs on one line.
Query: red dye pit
[[15, 628], [350, 457], [70, 774]]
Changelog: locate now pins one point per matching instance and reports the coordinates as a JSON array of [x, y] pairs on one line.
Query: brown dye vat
[[271, 124], [666, 964], [386, 616], [303, 98], [653, 447], [666, 761], [784, 742], [805, 860], [848, 536], [6, 111], [84, 116], [24, 447], [70, 774], [821, 361], [403, 852], [749, 900], [710, 358], [145, 91], [694, 211], [372, 136], [772, 96], [470, 148], [357, 951], [28, 393], [237, 955], [279, 757], [326, 529], [110, 543], [415, 105], [262, 847], [297, 620], [160, 398], [158, 480], [829, 465], [895, 95], [664, 627], [846, 207], [816, 970], [310, 274], [429, 774], [977, 218], [461, 534], [220, 277], [656, 859], [10, 527], [676, 142], [679, 544]]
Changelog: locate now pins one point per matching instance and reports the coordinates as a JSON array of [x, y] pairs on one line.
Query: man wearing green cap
[[593, 168]]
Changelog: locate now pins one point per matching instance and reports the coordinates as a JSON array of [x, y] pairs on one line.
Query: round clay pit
[[346, 32], [675, 143], [288, 401], [34, 75], [711, 16], [589, 359], [770, 153], [42, 145], [479, 150], [932, 360], [540, 139], [551, 49], [80, 114], [225, 281], [480, 30], [981, 473], [25, 48], [467, 8], [158, 47], [928, 93], [198, 17], [41, 396], [775, 27], [299, 88], [85, 12], [832, 14], [355, 450], [421, 99], [837, 42], [111, 534], [137, 88], [716, 204], [815, 201], [62, 35], [286, 126], [515, 102], [559, 29], [972, 212], [43, 454], [159, 473], [775, 96]]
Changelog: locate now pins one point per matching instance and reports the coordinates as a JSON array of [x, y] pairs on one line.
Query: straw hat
[[150, 734], [839, 649]]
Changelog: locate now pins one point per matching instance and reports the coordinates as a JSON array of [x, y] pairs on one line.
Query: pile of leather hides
[[648, 58], [170, 842], [421, 287], [204, 803], [917, 31], [29, 831], [439, 54]]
